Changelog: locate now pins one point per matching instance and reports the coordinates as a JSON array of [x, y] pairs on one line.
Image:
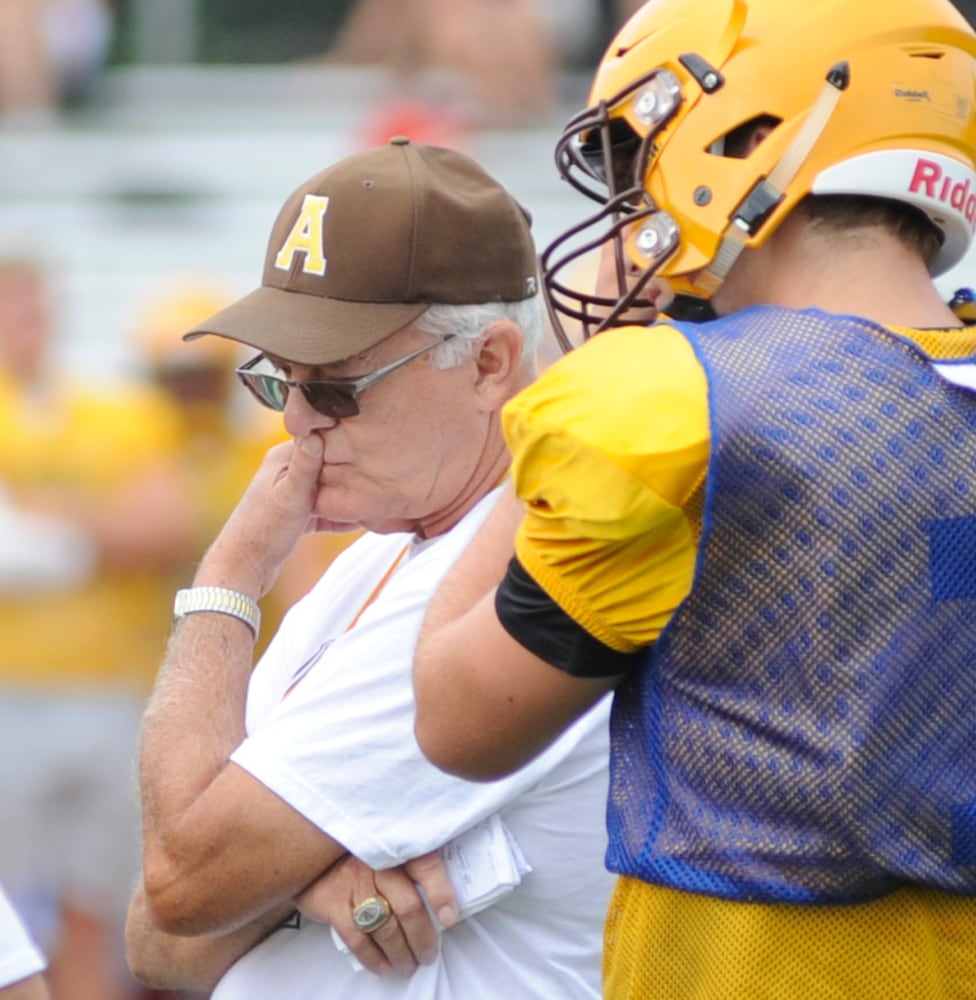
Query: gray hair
[[469, 322]]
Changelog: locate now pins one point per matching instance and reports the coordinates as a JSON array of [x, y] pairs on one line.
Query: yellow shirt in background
[[112, 629]]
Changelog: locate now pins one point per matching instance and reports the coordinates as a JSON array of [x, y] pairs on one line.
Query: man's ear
[[498, 360]]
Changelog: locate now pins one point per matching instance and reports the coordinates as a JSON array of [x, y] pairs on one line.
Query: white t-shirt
[[19, 956], [39, 552], [960, 372], [340, 749]]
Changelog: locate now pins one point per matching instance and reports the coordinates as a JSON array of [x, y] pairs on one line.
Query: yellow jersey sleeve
[[608, 446]]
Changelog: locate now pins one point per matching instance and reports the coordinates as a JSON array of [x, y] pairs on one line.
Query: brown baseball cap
[[363, 248]]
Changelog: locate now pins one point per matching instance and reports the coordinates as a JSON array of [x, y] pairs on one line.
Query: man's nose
[[301, 418]]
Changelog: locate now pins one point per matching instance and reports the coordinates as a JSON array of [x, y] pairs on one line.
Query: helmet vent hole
[[739, 142]]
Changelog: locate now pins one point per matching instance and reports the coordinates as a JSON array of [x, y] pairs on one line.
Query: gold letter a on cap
[[306, 237]]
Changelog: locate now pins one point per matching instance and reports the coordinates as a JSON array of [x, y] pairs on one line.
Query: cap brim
[[308, 329]]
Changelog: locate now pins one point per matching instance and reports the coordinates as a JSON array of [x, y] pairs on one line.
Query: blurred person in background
[[86, 461], [21, 962], [459, 64], [50, 51]]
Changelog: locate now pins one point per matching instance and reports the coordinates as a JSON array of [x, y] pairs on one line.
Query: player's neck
[[864, 273]]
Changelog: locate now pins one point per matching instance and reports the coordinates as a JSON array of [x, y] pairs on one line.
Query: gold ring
[[371, 914]]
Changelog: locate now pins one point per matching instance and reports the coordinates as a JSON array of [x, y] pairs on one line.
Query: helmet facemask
[[602, 156]]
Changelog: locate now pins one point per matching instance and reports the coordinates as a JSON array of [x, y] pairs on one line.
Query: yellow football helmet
[[859, 97], [169, 314]]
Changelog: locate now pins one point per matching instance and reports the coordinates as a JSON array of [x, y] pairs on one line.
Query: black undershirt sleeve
[[535, 621]]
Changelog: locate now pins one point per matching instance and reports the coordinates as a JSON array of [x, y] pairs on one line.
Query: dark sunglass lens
[[331, 400]]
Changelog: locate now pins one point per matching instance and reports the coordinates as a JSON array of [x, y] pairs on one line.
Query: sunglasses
[[337, 398]]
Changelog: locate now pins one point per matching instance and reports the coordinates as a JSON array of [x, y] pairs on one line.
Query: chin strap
[[768, 192], [689, 309]]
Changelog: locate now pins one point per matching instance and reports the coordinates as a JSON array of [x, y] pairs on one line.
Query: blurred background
[[178, 127]]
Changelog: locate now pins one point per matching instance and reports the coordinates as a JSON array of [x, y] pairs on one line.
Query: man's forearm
[[485, 704], [171, 962], [195, 717], [480, 568], [194, 721]]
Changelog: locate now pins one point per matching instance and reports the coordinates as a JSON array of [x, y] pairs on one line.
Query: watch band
[[221, 600]]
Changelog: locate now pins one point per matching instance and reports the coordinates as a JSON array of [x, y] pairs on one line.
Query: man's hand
[[409, 937], [272, 515]]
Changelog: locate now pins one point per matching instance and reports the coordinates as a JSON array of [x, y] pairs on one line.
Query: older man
[[399, 310]]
